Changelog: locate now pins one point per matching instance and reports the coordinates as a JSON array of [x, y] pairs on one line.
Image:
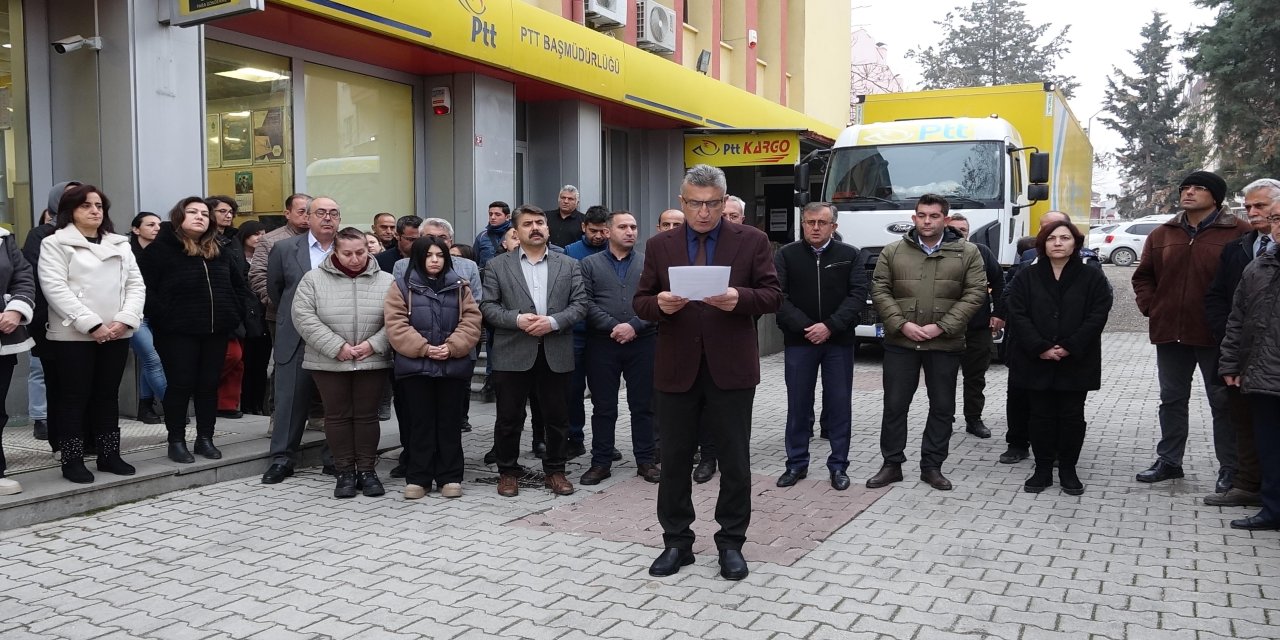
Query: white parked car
[[1096, 234], [1122, 246]]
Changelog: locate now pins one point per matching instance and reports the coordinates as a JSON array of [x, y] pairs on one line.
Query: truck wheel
[[1123, 257]]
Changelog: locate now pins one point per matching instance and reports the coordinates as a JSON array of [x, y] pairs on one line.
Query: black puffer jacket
[[188, 294], [1251, 348], [1070, 312]]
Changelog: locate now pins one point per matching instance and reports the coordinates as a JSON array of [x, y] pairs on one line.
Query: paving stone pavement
[[245, 560]]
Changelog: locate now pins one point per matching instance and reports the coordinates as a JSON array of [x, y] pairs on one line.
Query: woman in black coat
[[1057, 309], [18, 283], [195, 301]]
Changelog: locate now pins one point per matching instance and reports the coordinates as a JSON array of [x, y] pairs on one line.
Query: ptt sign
[[742, 149]]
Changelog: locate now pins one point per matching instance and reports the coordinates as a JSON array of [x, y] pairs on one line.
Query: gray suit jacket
[[506, 295], [290, 259]]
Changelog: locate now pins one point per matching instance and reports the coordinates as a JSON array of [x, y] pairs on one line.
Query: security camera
[[72, 43]]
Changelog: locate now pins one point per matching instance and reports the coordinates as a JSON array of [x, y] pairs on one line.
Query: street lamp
[[1088, 124]]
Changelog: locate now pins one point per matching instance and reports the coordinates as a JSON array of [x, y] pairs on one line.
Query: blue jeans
[[151, 380], [37, 401], [800, 370], [609, 362]]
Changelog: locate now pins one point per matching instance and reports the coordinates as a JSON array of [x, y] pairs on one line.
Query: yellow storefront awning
[[522, 38]]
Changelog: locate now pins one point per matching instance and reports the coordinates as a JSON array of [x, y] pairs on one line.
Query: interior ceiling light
[[250, 74]]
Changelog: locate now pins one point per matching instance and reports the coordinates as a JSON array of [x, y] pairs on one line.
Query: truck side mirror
[[802, 176], [1039, 169], [1038, 192]]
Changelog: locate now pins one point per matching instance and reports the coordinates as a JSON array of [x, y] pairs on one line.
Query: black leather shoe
[[329, 470], [1236, 497], [732, 565], [616, 455], [1015, 455], [398, 471], [1159, 472], [888, 474], [539, 451], [791, 477], [230, 414], [346, 485], [178, 453], [491, 456], [977, 428], [839, 480], [594, 475], [935, 479], [276, 474], [575, 449], [1225, 479], [370, 484], [204, 447], [649, 471], [670, 561], [1256, 523], [704, 471], [40, 430]]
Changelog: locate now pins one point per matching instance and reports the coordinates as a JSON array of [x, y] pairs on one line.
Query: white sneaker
[[9, 487], [451, 490]]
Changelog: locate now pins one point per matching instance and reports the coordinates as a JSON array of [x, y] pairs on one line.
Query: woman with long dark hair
[[195, 300], [338, 312], [433, 323], [1057, 308], [151, 382], [95, 295]]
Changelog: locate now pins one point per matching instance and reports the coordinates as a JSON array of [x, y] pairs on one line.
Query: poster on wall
[[237, 139], [778, 219], [268, 135], [213, 138], [244, 191]]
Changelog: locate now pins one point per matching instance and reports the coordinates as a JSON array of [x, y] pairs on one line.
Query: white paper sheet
[[696, 283]]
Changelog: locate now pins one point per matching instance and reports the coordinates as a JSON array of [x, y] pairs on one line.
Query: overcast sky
[[1102, 34]]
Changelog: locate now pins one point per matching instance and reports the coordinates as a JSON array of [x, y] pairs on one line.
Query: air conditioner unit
[[655, 27], [606, 14]]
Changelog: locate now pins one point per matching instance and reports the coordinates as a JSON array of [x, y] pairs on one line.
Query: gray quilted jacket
[[1251, 348], [331, 309]]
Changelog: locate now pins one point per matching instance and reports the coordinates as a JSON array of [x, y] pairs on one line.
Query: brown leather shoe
[[558, 484], [649, 471], [888, 474], [935, 479], [594, 475], [508, 487]]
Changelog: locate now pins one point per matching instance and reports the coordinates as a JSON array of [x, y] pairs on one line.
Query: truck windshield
[[891, 176]]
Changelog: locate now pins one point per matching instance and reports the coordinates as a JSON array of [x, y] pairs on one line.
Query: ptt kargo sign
[[742, 149]]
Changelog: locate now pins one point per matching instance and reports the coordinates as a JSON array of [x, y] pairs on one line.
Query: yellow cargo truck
[[1003, 156]]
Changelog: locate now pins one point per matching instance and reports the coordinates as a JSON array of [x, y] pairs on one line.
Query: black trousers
[[901, 378], [973, 365], [7, 363], [513, 389], [435, 429], [1266, 439], [1248, 476], [725, 414], [193, 367], [1018, 412], [253, 388], [1057, 427], [83, 392]]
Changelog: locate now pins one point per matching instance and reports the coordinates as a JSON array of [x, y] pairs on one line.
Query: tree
[[1238, 58], [992, 43], [1148, 110]]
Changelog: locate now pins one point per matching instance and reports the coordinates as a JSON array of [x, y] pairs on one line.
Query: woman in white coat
[[95, 293]]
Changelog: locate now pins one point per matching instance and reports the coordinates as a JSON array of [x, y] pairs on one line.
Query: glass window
[[882, 177], [359, 133], [15, 165], [249, 128]]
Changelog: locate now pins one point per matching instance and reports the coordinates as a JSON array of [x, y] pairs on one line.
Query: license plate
[[879, 330]]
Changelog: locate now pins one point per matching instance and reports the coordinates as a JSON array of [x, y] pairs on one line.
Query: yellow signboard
[[742, 149], [186, 13], [519, 36]]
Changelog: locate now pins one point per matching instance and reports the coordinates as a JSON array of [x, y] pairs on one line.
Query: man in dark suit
[[621, 345], [406, 233], [532, 297], [291, 259], [707, 365]]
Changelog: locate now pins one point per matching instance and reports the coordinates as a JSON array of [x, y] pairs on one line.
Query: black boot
[[178, 452], [73, 468], [1041, 479], [147, 412], [346, 485], [1071, 484], [109, 459], [369, 482], [204, 447]]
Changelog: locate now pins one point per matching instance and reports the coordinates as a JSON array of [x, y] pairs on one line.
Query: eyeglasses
[[327, 214], [695, 205], [1194, 188], [1273, 218], [817, 224]]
